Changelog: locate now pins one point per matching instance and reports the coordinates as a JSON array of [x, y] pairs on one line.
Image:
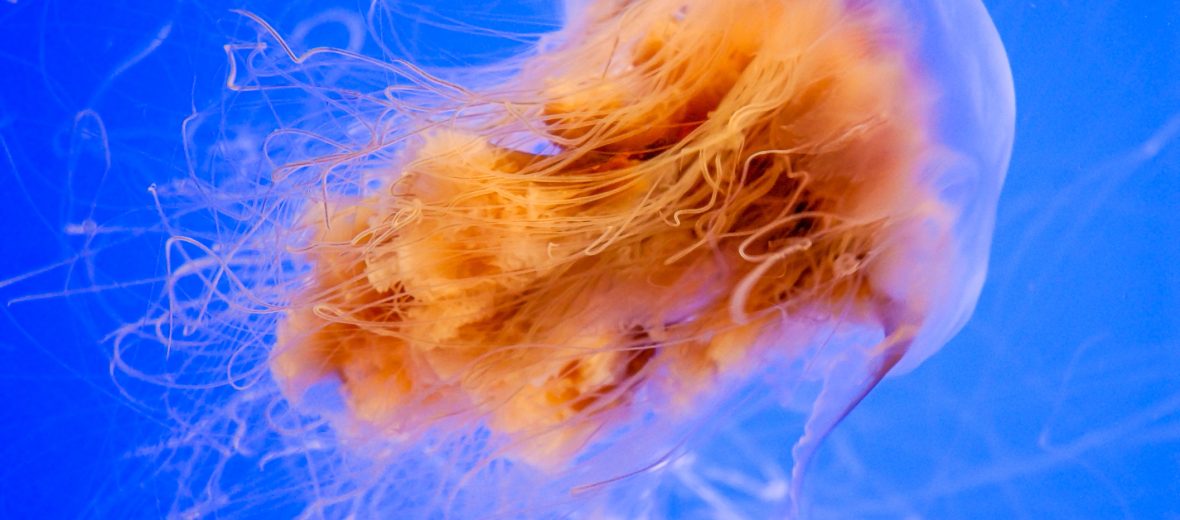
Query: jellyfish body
[[669, 197], [710, 171]]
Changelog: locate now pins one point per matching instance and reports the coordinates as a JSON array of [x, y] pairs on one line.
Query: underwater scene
[[589, 259]]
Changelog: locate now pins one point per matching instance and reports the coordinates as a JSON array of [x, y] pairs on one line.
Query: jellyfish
[[649, 214], [535, 295]]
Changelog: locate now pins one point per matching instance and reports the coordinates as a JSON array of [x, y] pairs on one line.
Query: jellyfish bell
[[563, 278], [973, 124]]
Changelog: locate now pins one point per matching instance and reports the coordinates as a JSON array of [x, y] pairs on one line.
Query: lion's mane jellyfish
[[547, 288]]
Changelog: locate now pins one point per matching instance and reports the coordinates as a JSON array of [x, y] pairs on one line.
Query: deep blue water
[[1060, 399]]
